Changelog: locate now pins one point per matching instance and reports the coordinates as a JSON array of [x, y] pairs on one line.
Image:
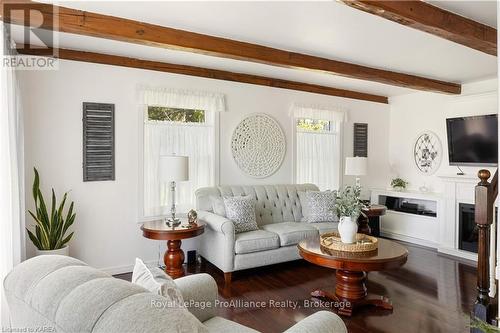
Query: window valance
[[330, 113], [183, 99]]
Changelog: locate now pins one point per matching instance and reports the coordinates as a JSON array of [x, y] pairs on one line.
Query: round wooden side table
[[369, 220], [351, 271], [174, 256]]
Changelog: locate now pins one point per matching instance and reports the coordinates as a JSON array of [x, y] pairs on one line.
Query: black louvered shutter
[[98, 142], [360, 148]]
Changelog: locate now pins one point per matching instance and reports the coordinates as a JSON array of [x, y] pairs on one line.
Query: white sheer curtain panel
[[11, 178], [318, 156], [193, 140], [318, 150]]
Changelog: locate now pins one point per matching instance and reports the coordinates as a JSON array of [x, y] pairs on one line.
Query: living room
[[252, 110]]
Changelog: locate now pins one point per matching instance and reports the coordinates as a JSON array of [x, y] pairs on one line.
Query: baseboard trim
[[114, 270], [408, 239], [458, 253]]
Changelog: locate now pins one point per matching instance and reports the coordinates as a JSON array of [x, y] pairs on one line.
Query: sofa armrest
[[200, 294], [216, 222], [320, 322]]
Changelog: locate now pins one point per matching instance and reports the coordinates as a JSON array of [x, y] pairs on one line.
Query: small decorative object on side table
[[369, 220], [192, 216], [174, 256]]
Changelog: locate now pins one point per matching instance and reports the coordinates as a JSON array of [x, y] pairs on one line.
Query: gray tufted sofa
[[62, 294], [278, 212]]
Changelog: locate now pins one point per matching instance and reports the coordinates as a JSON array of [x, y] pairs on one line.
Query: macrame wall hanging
[[258, 145]]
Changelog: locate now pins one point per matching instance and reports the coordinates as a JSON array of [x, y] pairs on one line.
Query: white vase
[[348, 229], [62, 251]]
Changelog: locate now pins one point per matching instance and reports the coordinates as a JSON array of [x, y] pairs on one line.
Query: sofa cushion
[[218, 206], [146, 312], [257, 240], [221, 325], [22, 281], [291, 233], [318, 206], [324, 227], [241, 211]]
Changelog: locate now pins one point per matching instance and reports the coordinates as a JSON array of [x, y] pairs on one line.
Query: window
[[189, 132], [160, 113], [318, 152]]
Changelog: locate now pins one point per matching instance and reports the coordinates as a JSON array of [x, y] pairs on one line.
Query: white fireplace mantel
[[457, 189]]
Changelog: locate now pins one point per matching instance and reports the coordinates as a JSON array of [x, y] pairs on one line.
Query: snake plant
[[51, 227]]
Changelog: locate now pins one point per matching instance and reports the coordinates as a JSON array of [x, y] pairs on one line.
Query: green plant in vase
[[399, 184], [49, 235], [348, 206]]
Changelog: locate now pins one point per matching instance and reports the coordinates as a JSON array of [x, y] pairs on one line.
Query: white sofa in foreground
[[278, 213], [53, 293]]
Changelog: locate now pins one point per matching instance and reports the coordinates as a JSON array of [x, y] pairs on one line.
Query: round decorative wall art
[[258, 145], [427, 152]]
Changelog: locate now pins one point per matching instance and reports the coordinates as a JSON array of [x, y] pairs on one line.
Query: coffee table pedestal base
[[351, 293], [174, 258]]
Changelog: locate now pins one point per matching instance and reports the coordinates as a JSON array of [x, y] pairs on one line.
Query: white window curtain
[[318, 153], [182, 99], [11, 178], [195, 140]]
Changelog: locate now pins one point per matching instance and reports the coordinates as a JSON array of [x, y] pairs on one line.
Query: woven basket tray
[[364, 243]]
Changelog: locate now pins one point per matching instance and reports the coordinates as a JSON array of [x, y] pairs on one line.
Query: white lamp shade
[[173, 168], [356, 166]]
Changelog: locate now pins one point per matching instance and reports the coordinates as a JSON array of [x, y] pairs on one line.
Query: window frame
[[340, 134], [143, 119]]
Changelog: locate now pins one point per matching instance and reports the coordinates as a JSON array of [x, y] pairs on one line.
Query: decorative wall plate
[[427, 152], [258, 145]]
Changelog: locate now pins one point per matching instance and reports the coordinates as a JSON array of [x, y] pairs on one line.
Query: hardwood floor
[[430, 293]]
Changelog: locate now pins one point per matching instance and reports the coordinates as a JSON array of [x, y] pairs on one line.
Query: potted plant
[[348, 207], [49, 235], [483, 326], [399, 184]]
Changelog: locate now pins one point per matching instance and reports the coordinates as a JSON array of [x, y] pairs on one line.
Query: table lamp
[[356, 166], [173, 169]]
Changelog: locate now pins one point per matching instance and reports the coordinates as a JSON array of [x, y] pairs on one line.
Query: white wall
[[414, 113], [107, 235]]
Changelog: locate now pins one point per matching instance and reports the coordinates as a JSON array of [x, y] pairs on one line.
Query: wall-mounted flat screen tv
[[473, 140]]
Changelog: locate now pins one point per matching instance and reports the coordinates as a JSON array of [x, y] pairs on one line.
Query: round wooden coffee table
[[174, 256], [350, 289]]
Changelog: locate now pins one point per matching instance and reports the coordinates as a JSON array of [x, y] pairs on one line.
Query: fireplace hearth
[[467, 229]]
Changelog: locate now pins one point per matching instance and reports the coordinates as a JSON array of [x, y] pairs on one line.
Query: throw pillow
[[319, 206], [158, 282], [218, 206], [241, 210]]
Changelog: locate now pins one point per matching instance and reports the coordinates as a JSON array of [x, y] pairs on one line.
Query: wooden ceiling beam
[[114, 60], [434, 20], [115, 28]]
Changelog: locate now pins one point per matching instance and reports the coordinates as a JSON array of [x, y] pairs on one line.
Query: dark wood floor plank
[[430, 293]]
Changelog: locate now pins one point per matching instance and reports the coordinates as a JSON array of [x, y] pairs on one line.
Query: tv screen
[[473, 140]]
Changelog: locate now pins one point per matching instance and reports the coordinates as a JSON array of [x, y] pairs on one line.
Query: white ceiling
[[484, 11], [327, 29]]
